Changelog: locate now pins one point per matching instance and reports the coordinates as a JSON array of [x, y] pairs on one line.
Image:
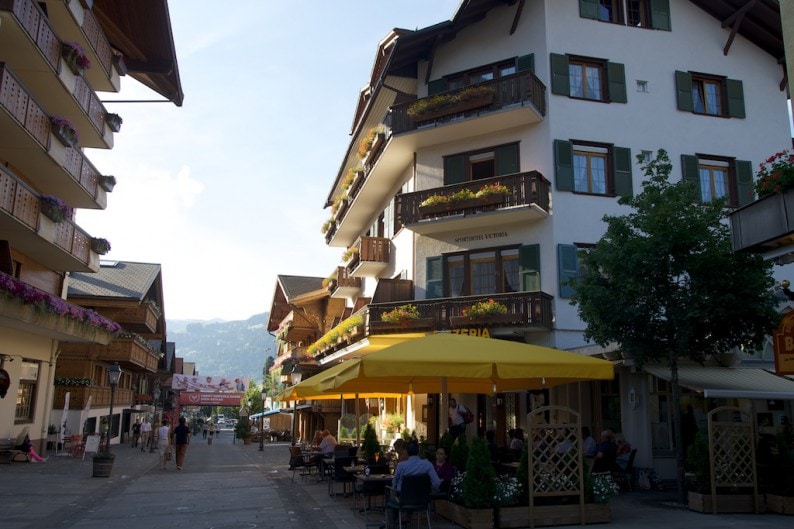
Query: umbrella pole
[[358, 423], [443, 403]]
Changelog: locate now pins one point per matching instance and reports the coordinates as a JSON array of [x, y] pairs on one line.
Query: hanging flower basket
[[114, 121], [107, 182], [75, 57], [54, 208], [100, 246], [65, 131]]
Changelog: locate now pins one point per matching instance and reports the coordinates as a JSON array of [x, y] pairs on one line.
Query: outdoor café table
[[375, 484], [356, 469]]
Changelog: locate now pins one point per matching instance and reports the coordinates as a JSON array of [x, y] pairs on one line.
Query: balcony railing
[[764, 226], [141, 318], [100, 397], [527, 191], [344, 285], [129, 352], [517, 89], [372, 257]]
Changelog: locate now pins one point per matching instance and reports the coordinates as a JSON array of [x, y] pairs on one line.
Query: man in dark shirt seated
[[605, 453]]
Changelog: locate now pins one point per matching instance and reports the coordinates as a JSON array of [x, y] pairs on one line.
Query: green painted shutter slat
[[454, 169], [744, 182], [616, 77], [436, 86], [621, 161], [660, 14], [560, 80], [507, 159], [568, 264], [588, 9], [525, 62], [735, 91], [435, 277], [563, 163], [683, 90], [529, 267], [690, 172]]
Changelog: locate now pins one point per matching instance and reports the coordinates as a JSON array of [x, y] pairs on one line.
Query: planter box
[[780, 504], [52, 212], [65, 135], [455, 108], [550, 515], [469, 518], [480, 321], [726, 503], [459, 205]]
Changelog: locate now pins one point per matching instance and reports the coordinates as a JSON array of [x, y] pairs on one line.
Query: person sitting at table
[[622, 451], [413, 466], [605, 453], [443, 468], [328, 444], [516, 445], [318, 437], [589, 445]]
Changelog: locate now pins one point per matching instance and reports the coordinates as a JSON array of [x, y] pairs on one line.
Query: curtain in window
[[456, 278], [712, 99], [599, 174], [580, 172], [593, 83], [697, 99], [510, 271], [575, 75], [483, 275], [720, 183]]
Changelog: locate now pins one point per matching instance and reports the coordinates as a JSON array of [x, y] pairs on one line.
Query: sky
[[227, 191]]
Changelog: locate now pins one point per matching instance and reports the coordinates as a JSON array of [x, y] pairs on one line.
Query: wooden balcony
[[61, 246], [38, 322], [766, 225], [344, 286], [49, 165], [130, 353], [39, 65], [372, 257], [527, 201], [141, 318], [100, 397], [77, 23]]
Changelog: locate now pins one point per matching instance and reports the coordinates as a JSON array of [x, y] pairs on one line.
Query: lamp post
[[156, 396], [262, 422], [114, 373], [295, 377]]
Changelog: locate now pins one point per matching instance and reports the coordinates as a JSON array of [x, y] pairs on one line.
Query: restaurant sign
[[209, 399], [784, 346]]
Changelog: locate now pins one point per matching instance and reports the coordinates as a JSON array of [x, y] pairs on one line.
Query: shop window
[[26, 393]]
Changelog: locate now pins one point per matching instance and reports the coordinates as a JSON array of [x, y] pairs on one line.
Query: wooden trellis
[[732, 452], [555, 456]]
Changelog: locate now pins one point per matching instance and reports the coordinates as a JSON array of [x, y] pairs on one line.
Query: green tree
[[480, 481], [664, 283]]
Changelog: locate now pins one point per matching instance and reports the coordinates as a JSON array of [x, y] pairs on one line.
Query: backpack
[[467, 415]]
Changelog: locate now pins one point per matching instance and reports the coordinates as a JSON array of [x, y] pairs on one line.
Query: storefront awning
[[727, 382]]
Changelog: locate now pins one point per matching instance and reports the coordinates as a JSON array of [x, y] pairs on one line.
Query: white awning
[[728, 382]]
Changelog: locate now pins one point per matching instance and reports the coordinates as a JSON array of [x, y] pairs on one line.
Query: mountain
[[224, 348]]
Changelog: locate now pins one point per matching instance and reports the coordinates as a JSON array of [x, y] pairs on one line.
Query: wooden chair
[[297, 461], [624, 477]]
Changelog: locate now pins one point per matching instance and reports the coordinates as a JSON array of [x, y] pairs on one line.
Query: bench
[[9, 452]]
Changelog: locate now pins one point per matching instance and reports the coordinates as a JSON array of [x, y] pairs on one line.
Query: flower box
[[75, 58], [469, 518], [470, 203], [64, 131], [550, 515], [107, 182], [456, 108], [114, 121], [779, 504], [100, 246], [726, 503], [54, 208], [385, 326]]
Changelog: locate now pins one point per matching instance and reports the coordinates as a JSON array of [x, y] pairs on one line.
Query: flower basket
[[443, 105], [100, 246], [54, 208], [75, 57], [776, 174], [64, 130], [114, 121], [725, 503], [107, 182]]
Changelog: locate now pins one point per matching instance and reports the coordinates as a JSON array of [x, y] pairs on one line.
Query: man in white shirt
[[146, 431]]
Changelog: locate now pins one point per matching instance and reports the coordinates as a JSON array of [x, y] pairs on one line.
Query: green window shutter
[[436, 86], [507, 159], [588, 9], [529, 268], [660, 14], [454, 169], [525, 62], [683, 89], [689, 169], [744, 182], [560, 80], [563, 164], [621, 162], [735, 91], [616, 77], [435, 277], [568, 264]]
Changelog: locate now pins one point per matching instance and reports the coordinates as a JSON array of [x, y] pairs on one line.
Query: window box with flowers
[[54, 208], [107, 182], [114, 121], [100, 246], [351, 254], [451, 103], [75, 57], [371, 143], [402, 317], [486, 196], [65, 131], [484, 313]]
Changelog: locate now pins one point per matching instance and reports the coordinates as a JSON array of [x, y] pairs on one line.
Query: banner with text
[[209, 399], [197, 383]]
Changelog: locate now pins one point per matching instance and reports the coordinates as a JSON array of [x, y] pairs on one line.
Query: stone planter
[[726, 503], [484, 320], [470, 518], [455, 108], [460, 205], [779, 504]]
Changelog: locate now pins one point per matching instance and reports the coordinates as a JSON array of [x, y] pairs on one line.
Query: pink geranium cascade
[[775, 174]]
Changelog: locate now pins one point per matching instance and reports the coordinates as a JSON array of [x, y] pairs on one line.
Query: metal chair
[[414, 497], [624, 476], [341, 475], [297, 461]]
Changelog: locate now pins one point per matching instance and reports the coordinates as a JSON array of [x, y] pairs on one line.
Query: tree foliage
[[664, 278]]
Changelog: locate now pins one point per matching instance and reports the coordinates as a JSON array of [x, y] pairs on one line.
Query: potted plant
[[373, 138], [107, 182], [370, 446], [54, 208], [114, 121], [484, 308], [472, 492], [350, 254], [103, 464], [75, 57], [65, 131], [776, 174], [485, 312], [445, 104], [100, 245], [242, 429], [401, 314]]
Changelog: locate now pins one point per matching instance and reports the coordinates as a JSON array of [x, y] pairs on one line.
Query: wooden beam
[[517, 16], [735, 20]]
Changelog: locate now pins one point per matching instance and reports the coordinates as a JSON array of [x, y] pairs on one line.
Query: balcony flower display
[[350, 254], [65, 131], [12, 288], [107, 182], [401, 314], [492, 189], [484, 308], [327, 226], [100, 246], [776, 174], [75, 57], [114, 121], [423, 108], [54, 208], [487, 190], [366, 143]]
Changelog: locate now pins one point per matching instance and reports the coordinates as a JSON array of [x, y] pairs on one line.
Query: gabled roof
[[290, 289], [115, 279], [296, 286], [757, 21], [141, 31]]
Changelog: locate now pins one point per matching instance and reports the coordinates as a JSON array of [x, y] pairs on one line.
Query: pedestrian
[[136, 432], [163, 433], [146, 432], [181, 438], [204, 429], [458, 415], [27, 447]]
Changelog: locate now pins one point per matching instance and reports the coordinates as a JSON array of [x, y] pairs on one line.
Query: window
[[481, 74], [637, 13], [483, 272], [588, 78], [594, 168], [26, 393], [642, 86], [710, 95], [569, 266], [483, 163], [719, 177]]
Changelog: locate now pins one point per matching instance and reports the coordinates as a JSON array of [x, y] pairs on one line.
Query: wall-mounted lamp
[[500, 401], [634, 400], [784, 287], [431, 401]]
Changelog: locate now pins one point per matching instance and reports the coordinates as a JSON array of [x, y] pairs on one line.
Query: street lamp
[[114, 373], [296, 375], [156, 396], [262, 422]]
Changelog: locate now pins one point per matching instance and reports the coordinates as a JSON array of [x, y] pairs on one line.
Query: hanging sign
[[784, 346]]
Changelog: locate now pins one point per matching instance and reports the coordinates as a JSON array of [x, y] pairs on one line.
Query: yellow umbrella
[[459, 363]]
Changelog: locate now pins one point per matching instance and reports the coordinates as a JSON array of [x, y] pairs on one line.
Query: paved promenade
[[232, 486]]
